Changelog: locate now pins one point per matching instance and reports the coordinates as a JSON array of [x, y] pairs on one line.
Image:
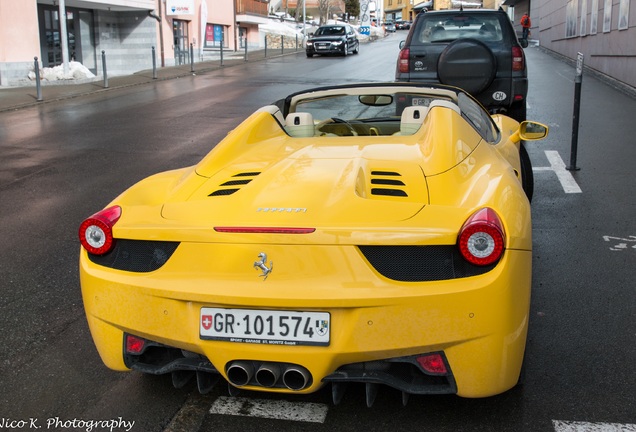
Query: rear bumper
[[478, 323]]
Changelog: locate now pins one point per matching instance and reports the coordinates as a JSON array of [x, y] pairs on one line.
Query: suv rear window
[[436, 28]]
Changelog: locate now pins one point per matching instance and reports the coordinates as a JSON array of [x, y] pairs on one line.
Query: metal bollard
[[578, 79], [221, 50], [191, 58], [282, 44], [265, 46], [38, 84], [104, 69], [246, 50], [154, 64]]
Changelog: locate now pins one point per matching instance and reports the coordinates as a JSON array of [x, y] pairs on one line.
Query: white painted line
[[571, 426], [272, 409], [558, 166]]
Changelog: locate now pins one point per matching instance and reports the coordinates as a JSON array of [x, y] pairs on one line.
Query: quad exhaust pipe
[[268, 374]]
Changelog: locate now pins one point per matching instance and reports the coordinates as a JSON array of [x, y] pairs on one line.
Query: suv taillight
[[518, 59], [403, 60]]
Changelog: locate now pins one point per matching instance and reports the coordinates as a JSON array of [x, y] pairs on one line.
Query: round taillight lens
[[481, 239], [96, 232]]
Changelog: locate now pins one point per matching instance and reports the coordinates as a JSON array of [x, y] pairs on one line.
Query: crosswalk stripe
[[272, 409], [573, 426]]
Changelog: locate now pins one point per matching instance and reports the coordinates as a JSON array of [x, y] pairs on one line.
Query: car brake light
[[134, 344], [96, 232], [264, 230], [403, 60], [481, 239], [433, 363], [518, 59]]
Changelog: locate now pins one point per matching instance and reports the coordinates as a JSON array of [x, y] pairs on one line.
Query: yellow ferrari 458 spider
[[371, 233]]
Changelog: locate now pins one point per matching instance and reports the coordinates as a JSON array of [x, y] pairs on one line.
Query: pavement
[[15, 98]]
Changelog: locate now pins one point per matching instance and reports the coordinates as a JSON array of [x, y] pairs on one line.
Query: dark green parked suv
[[474, 49]]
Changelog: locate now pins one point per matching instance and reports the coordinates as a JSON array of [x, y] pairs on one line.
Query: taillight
[[96, 232], [403, 60], [482, 239], [518, 59]]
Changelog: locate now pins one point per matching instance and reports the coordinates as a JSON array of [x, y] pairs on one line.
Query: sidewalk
[[14, 98]]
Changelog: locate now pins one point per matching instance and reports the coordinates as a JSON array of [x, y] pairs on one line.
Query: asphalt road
[[62, 161]]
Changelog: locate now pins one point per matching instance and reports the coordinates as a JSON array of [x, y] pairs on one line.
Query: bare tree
[[324, 6]]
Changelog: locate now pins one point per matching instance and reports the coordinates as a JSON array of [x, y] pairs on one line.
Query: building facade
[[604, 31], [123, 32]]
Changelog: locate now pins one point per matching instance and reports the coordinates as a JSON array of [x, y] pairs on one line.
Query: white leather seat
[[300, 125], [412, 119]]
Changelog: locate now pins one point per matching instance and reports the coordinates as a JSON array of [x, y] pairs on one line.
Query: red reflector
[[518, 97], [134, 344], [433, 363], [264, 230]]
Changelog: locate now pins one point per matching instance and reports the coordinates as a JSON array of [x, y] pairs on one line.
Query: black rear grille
[[139, 256], [421, 263], [392, 186], [243, 179]]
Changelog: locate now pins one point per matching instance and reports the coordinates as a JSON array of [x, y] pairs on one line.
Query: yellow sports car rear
[[372, 233]]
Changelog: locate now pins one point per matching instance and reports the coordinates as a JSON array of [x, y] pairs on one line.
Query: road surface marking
[[571, 426], [558, 166], [272, 409]]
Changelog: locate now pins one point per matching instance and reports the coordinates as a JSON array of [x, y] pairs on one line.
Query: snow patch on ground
[[76, 71]]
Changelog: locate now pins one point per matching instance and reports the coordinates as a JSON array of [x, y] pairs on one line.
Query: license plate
[[420, 101], [267, 327]]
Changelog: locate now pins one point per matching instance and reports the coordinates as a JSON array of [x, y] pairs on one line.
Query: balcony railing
[[252, 7]]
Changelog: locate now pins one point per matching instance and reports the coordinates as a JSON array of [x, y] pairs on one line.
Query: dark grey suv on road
[[474, 49]]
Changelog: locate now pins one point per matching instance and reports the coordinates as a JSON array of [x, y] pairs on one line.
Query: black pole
[[38, 84], [282, 44], [578, 79], [154, 64], [221, 49], [191, 58], [104, 69], [265, 46]]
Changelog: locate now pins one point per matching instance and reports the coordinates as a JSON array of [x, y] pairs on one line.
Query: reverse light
[[96, 232], [433, 363], [403, 60], [481, 239], [518, 59]]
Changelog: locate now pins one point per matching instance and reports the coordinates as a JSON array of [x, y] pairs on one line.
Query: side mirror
[[532, 131], [402, 44], [529, 131]]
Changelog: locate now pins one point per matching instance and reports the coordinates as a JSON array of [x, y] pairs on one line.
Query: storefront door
[[79, 35], [181, 47]]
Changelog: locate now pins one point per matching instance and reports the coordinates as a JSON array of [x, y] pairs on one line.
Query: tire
[[468, 64], [518, 111], [357, 50], [527, 177], [310, 55], [346, 50]]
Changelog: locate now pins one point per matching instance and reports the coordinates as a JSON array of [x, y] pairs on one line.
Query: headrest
[[412, 119], [300, 124]]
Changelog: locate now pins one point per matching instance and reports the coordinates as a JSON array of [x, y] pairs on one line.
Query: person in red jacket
[[525, 24]]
